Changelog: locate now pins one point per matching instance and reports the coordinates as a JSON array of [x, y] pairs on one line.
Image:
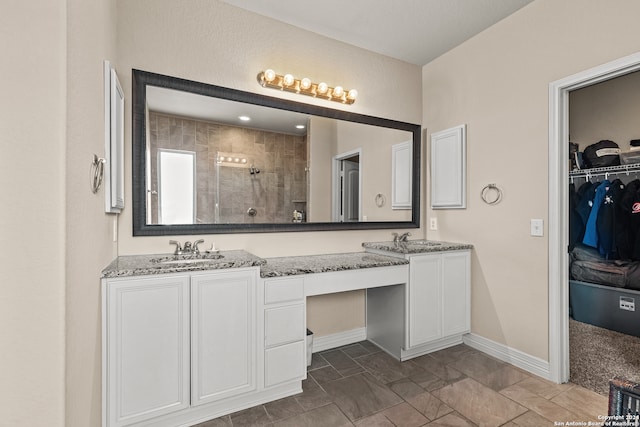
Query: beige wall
[[608, 110], [498, 84], [216, 43], [89, 242], [32, 240]]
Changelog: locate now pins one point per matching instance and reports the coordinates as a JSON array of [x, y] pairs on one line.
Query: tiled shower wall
[[275, 192]]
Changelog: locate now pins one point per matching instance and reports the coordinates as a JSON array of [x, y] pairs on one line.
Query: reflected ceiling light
[[305, 86], [244, 118]]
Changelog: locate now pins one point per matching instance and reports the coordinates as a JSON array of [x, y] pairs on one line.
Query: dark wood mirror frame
[[140, 80]]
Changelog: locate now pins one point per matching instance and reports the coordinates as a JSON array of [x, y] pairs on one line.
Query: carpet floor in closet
[[598, 355]]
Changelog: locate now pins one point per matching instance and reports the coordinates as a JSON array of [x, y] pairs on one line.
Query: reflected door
[[176, 187], [350, 193]]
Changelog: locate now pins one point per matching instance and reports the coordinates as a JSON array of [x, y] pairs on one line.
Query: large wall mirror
[[208, 159]]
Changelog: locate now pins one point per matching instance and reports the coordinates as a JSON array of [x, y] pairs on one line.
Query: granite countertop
[[290, 266], [141, 265], [416, 246]]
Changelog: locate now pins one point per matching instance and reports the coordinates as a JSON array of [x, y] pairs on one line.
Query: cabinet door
[[147, 339], [455, 293], [448, 168], [424, 299], [223, 335]]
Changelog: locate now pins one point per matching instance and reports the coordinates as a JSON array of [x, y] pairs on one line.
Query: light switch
[[537, 227], [433, 223]]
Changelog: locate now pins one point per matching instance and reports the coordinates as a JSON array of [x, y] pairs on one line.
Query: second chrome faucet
[[187, 248]]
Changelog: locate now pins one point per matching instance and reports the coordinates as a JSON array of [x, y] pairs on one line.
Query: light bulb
[[269, 75], [338, 92], [305, 83], [288, 80], [322, 87], [353, 94], [236, 160], [244, 160]]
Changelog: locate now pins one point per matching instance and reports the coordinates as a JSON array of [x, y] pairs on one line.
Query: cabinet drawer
[[283, 290], [284, 324], [284, 363]]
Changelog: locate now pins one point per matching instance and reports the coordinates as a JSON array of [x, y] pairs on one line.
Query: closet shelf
[[633, 167]]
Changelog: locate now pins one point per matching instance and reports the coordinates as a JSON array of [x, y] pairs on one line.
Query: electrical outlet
[[537, 227], [433, 223]]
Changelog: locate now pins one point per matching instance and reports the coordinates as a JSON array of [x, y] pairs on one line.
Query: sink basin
[[187, 259], [424, 243]]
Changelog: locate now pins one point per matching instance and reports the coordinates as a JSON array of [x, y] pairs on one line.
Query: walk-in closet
[[604, 232]]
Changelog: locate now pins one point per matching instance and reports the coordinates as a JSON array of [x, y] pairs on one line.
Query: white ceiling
[[414, 31], [200, 107]]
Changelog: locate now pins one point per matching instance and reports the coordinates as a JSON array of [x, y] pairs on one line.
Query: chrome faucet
[[187, 248], [400, 238], [195, 249], [178, 250]]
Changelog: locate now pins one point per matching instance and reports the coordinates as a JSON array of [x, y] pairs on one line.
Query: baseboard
[[510, 355], [327, 342]]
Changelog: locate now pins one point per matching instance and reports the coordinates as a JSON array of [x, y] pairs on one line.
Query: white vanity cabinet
[[439, 297], [223, 335], [179, 347], [146, 347], [284, 330]]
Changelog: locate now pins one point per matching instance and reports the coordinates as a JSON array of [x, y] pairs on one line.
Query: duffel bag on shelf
[[602, 154]]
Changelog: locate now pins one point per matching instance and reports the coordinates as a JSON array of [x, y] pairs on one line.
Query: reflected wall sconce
[[304, 86], [232, 159]]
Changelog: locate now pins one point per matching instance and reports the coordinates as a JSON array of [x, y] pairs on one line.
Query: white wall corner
[[510, 355]]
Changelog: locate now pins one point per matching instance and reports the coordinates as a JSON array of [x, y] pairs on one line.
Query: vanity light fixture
[[305, 86]]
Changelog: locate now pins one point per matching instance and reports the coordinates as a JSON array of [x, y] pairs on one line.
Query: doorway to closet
[[604, 264], [559, 127]]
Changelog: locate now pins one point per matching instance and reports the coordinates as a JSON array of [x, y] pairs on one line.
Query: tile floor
[[359, 385]]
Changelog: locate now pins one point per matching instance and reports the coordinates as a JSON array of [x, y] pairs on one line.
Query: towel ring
[[97, 173], [487, 190], [380, 200]]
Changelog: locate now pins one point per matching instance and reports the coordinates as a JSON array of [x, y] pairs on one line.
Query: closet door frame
[[558, 204]]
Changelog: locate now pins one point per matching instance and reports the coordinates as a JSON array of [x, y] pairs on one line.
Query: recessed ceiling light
[[244, 118], [300, 126]]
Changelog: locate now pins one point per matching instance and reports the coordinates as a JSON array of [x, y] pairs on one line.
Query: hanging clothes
[[586, 193], [591, 230], [629, 215], [576, 226], [606, 222]]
